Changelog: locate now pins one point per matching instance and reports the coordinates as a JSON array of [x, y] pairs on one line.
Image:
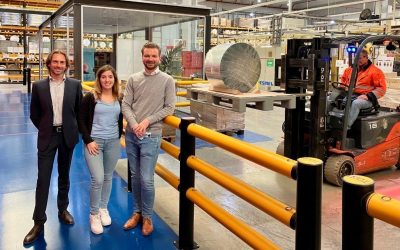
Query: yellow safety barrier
[[269, 205], [91, 83], [172, 121], [262, 157], [181, 93], [186, 77], [182, 104], [236, 226], [190, 82], [122, 142], [384, 208], [304, 219], [167, 175], [86, 88], [170, 149]]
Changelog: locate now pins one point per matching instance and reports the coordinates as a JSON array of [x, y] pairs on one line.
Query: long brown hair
[[50, 57], [98, 90]]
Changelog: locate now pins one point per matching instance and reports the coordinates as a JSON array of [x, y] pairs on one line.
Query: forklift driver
[[370, 86]]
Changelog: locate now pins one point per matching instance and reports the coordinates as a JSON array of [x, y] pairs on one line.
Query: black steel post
[[357, 225], [28, 79], [129, 187], [187, 174], [308, 204], [24, 76]]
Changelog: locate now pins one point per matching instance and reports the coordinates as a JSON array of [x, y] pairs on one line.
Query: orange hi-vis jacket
[[369, 79]]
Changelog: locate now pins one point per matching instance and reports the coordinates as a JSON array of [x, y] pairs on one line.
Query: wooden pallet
[[263, 100]]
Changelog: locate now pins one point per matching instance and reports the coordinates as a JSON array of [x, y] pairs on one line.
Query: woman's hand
[[92, 148]]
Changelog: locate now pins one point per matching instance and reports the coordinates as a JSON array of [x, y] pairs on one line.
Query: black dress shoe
[[66, 217], [33, 235]]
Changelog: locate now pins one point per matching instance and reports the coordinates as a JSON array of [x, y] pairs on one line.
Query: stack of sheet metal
[[236, 66]]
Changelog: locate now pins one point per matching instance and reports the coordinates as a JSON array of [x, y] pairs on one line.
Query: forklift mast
[[305, 73]]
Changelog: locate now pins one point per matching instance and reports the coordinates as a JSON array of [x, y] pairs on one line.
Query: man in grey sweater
[[149, 97]]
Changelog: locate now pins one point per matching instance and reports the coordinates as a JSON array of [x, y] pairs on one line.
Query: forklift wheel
[[338, 166]]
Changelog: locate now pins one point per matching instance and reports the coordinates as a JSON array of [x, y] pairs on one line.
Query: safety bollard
[[357, 225], [187, 175], [308, 204]]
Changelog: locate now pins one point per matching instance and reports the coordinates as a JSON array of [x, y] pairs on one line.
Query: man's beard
[[152, 67]]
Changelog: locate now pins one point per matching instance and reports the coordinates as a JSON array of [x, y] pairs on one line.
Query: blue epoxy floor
[[17, 190]]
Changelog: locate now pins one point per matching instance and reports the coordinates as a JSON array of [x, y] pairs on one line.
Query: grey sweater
[[149, 96]]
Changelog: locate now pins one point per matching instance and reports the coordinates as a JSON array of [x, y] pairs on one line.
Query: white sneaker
[[95, 224], [105, 217]]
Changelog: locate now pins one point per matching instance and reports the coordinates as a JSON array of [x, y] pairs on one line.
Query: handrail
[[384, 208], [267, 204], [181, 93], [170, 148], [305, 219], [182, 104], [190, 82], [172, 121], [236, 226], [360, 205], [89, 83], [167, 175], [86, 87], [263, 157]]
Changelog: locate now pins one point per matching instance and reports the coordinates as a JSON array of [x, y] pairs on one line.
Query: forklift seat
[[369, 111]]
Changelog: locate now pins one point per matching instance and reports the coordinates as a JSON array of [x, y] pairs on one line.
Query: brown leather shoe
[[34, 234], [133, 221], [66, 217], [147, 227]]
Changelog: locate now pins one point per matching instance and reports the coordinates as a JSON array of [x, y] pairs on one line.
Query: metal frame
[[317, 82], [77, 6]]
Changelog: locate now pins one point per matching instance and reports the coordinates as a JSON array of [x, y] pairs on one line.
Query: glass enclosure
[[105, 34]]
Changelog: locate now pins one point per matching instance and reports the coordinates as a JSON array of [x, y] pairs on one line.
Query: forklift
[[316, 129]]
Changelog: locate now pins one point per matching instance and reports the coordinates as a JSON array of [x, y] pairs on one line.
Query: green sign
[[270, 62]]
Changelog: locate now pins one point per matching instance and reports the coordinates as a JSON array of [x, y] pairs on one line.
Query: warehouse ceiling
[[320, 17], [342, 9], [112, 21]]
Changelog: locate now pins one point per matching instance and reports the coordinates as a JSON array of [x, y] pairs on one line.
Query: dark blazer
[[86, 114], [42, 111]]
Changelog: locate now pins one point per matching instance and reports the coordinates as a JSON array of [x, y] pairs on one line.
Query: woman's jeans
[[101, 169], [142, 155]]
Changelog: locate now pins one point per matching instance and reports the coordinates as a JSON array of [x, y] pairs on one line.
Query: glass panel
[[129, 30], [63, 38], [34, 43], [43, 40]]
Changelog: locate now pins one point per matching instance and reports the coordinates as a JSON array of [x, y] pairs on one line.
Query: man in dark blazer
[[54, 111]]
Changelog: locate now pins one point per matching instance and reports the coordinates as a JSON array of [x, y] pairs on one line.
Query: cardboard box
[[214, 21], [216, 118]]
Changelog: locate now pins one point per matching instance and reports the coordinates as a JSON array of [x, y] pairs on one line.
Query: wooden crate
[[217, 118], [168, 133]]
